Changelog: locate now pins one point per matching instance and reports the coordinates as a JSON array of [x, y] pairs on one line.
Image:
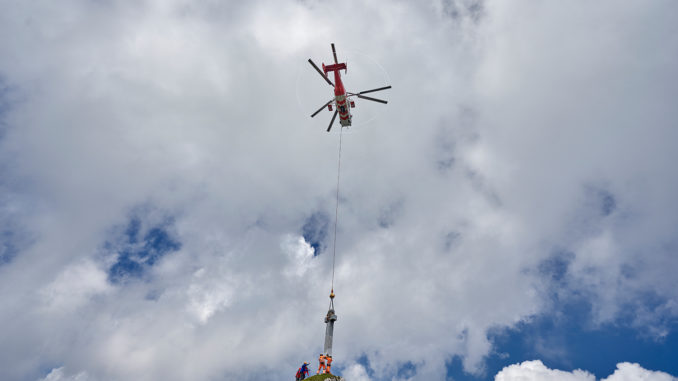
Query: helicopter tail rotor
[[334, 53]]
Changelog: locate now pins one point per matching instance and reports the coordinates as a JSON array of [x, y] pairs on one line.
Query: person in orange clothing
[[321, 361], [328, 359]]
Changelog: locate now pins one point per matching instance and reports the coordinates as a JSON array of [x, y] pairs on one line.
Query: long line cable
[[336, 210]]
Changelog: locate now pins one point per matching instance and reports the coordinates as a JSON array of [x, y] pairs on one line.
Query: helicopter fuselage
[[342, 104]]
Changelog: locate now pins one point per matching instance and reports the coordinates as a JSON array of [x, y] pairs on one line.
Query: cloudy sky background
[[166, 203]]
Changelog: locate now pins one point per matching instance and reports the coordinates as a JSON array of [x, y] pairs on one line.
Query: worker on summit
[[321, 362], [302, 372], [328, 360]]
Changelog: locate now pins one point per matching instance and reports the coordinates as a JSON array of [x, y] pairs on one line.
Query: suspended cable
[[336, 210]]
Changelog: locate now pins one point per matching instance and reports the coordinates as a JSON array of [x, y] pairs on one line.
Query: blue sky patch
[[315, 230], [5, 103], [4, 91], [599, 201], [456, 11], [140, 247], [365, 362], [451, 239], [13, 239], [455, 370], [555, 267], [445, 150], [565, 338], [406, 370], [608, 203], [8, 250], [389, 214], [566, 341]]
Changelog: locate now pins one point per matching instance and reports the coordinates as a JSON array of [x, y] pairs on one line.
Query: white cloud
[[207, 298], [300, 255], [356, 372], [536, 370], [627, 371], [74, 287], [57, 374]]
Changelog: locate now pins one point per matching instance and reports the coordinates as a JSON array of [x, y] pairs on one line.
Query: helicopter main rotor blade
[[373, 90], [371, 99], [321, 108], [334, 53], [320, 72], [332, 121]]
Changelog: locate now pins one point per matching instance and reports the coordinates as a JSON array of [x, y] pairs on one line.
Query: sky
[[167, 203]]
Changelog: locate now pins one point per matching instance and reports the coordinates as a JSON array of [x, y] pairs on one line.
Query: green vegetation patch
[[322, 377]]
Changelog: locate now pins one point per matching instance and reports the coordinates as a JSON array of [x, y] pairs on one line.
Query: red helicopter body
[[341, 99]]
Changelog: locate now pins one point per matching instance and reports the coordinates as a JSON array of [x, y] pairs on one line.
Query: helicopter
[[342, 99]]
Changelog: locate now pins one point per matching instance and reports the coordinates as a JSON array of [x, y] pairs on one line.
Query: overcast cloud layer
[[166, 202]]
